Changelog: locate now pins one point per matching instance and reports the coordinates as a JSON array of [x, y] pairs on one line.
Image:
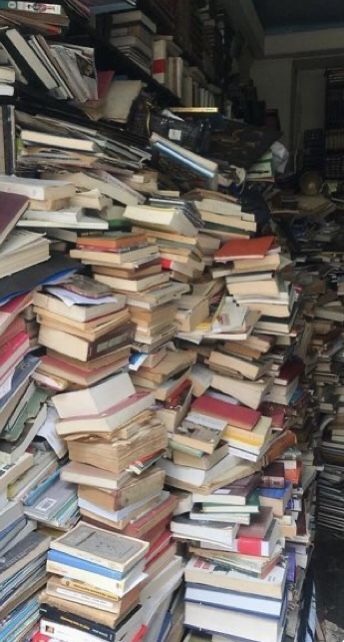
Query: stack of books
[[132, 33], [114, 451], [223, 215], [57, 69], [50, 21], [86, 331], [173, 224], [94, 586]]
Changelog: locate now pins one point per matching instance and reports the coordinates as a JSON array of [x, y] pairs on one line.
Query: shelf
[[108, 56]]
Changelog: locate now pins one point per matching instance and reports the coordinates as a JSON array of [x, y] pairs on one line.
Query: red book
[[13, 207], [141, 634], [143, 526], [158, 547], [18, 325], [12, 352], [245, 249], [166, 264], [10, 310], [236, 415]]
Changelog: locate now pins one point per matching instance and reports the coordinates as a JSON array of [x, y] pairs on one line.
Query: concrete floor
[[328, 566]]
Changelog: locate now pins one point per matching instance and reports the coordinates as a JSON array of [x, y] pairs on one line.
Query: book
[[201, 572], [108, 421], [235, 249], [36, 188], [94, 400], [220, 533], [57, 300], [235, 415], [235, 494], [225, 621], [14, 205]]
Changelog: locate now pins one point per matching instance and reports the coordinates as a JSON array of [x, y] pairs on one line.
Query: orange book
[[245, 249], [116, 242]]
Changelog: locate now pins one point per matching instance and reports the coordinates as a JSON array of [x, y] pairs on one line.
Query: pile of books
[[94, 586], [114, 445], [86, 331], [132, 33], [205, 451]]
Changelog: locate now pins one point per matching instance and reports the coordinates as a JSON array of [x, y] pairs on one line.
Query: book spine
[[159, 69], [249, 546], [105, 345], [75, 621], [32, 7]]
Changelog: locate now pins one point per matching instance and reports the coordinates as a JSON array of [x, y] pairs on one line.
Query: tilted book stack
[[122, 255]]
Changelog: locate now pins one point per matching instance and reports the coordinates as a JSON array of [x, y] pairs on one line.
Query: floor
[[328, 566]]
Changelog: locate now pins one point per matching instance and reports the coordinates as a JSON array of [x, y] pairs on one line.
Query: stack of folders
[[114, 445], [93, 591]]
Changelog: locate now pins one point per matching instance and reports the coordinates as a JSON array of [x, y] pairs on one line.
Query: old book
[[70, 590], [14, 206], [81, 373], [79, 348], [250, 369], [219, 533], [205, 462], [255, 438], [198, 437], [235, 415], [38, 189], [135, 491], [235, 494], [109, 420], [96, 399], [90, 331], [166, 219], [231, 622], [200, 572], [256, 248], [117, 456], [100, 547], [249, 393], [52, 301], [93, 477]]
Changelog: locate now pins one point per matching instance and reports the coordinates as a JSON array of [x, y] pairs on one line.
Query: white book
[[95, 399], [232, 600], [35, 188]]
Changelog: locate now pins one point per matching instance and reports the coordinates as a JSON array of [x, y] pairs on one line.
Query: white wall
[[273, 78]]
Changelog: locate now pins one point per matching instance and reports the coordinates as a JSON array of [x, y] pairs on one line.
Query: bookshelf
[[334, 124]]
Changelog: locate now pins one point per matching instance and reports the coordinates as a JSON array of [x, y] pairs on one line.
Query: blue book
[[22, 372], [35, 493], [84, 565], [274, 493]]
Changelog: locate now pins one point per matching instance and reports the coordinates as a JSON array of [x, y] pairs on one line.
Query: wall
[[273, 78], [310, 102]]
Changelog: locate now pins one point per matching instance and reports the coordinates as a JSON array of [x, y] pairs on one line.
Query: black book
[[87, 626], [26, 60]]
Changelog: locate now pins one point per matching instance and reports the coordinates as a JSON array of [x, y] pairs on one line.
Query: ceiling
[[280, 16]]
